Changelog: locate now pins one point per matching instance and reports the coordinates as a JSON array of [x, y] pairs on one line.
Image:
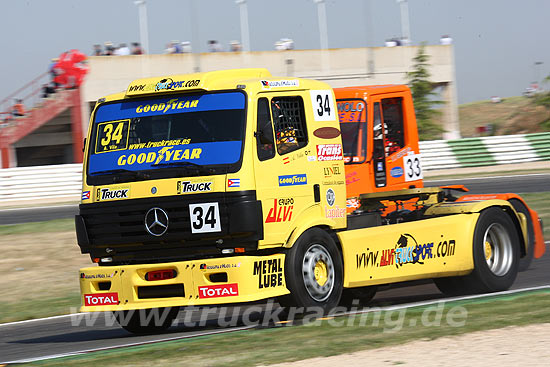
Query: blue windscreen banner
[[224, 152], [170, 105]]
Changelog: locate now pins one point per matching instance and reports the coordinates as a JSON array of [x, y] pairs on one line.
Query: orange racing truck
[[232, 186]]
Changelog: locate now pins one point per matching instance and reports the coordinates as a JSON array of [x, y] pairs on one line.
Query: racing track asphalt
[[483, 185], [54, 336]]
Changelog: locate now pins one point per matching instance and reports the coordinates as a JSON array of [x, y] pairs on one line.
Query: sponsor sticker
[[327, 132], [331, 197], [396, 172], [186, 187], [279, 83], [101, 299], [329, 152], [335, 212], [269, 273], [105, 194], [205, 267], [353, 203], [96, 276], [85, 195], [234, 182], [293, 180], [281, 211], [222, 290]]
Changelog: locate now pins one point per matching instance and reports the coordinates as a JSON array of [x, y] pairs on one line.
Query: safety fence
[[32, 183], [485, 151]]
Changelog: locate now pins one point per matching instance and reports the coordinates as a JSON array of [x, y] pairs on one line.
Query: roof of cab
[[366, 90], [253, 80]]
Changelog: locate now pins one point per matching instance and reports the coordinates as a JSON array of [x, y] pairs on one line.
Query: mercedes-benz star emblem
[[156, 221]]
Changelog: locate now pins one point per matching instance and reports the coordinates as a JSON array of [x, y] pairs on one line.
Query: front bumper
[[196, 283]]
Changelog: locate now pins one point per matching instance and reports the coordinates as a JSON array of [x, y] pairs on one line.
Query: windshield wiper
[[198, 167], [126, 172]]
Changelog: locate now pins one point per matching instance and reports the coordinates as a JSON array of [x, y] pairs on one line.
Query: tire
[[525, 261], [313, 272], [144, 321], [496, 257], [357, 297]]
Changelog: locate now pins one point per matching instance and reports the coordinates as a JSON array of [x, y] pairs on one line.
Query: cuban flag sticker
[[234, 182], [85, 195]]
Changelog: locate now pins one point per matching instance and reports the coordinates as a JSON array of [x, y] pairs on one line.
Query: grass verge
[[56, 225], [326, 338]]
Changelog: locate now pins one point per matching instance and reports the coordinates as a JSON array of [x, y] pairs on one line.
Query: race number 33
[[323, 105], [413, 167], [205, 218]]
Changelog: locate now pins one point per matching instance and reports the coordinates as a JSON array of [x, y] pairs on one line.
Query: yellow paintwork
[[240, 270], [377, 244]]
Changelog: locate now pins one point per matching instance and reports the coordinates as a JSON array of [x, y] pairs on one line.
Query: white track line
[[485, 178], [127, 345], [375, 309]]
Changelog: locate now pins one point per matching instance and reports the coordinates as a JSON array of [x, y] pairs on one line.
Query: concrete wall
[[337, 67]]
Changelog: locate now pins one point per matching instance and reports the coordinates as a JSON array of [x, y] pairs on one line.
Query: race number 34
[[413, 167], [205, 218], [323, 105]]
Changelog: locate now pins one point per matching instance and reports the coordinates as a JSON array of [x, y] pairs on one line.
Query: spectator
[[186, 47], [109, 49], [446, 40], [122, 50], [235, 46], [18, 109], [47, 90], [214, 46], [136, 49], [169, 49], [284, 44], [97, 50]]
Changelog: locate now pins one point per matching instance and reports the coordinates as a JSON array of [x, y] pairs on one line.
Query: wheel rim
[[318, 272], [498, 249]]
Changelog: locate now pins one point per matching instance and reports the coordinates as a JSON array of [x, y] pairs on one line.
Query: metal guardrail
[[41, 182], [28, 183]]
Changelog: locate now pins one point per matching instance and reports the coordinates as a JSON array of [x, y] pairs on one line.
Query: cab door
[[282, 149], [396, 159]]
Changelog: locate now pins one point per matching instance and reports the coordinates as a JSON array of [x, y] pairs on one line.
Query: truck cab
[[380, 139]]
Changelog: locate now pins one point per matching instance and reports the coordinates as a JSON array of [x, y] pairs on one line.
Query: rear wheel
[[147, 321], [313, 272], [525, 261], [496, 257]]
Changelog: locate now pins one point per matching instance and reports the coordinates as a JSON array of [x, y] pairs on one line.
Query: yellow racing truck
[[229, 187]]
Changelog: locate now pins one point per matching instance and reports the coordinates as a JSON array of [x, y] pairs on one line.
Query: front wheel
[[147, 321], [314, 272]]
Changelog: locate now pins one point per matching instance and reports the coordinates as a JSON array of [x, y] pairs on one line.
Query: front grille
[[117, 228]]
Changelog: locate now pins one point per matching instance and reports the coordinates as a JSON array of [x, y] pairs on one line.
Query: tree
[[423, 95], [543, 99]]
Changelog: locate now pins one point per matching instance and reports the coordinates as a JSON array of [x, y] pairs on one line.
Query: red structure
[[70, 71]]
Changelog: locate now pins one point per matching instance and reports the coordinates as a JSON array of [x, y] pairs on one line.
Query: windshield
[[198, 134], [352, 114]]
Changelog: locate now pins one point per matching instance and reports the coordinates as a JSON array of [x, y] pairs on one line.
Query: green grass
[[276, 345], [56, 225], [37, 307]]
